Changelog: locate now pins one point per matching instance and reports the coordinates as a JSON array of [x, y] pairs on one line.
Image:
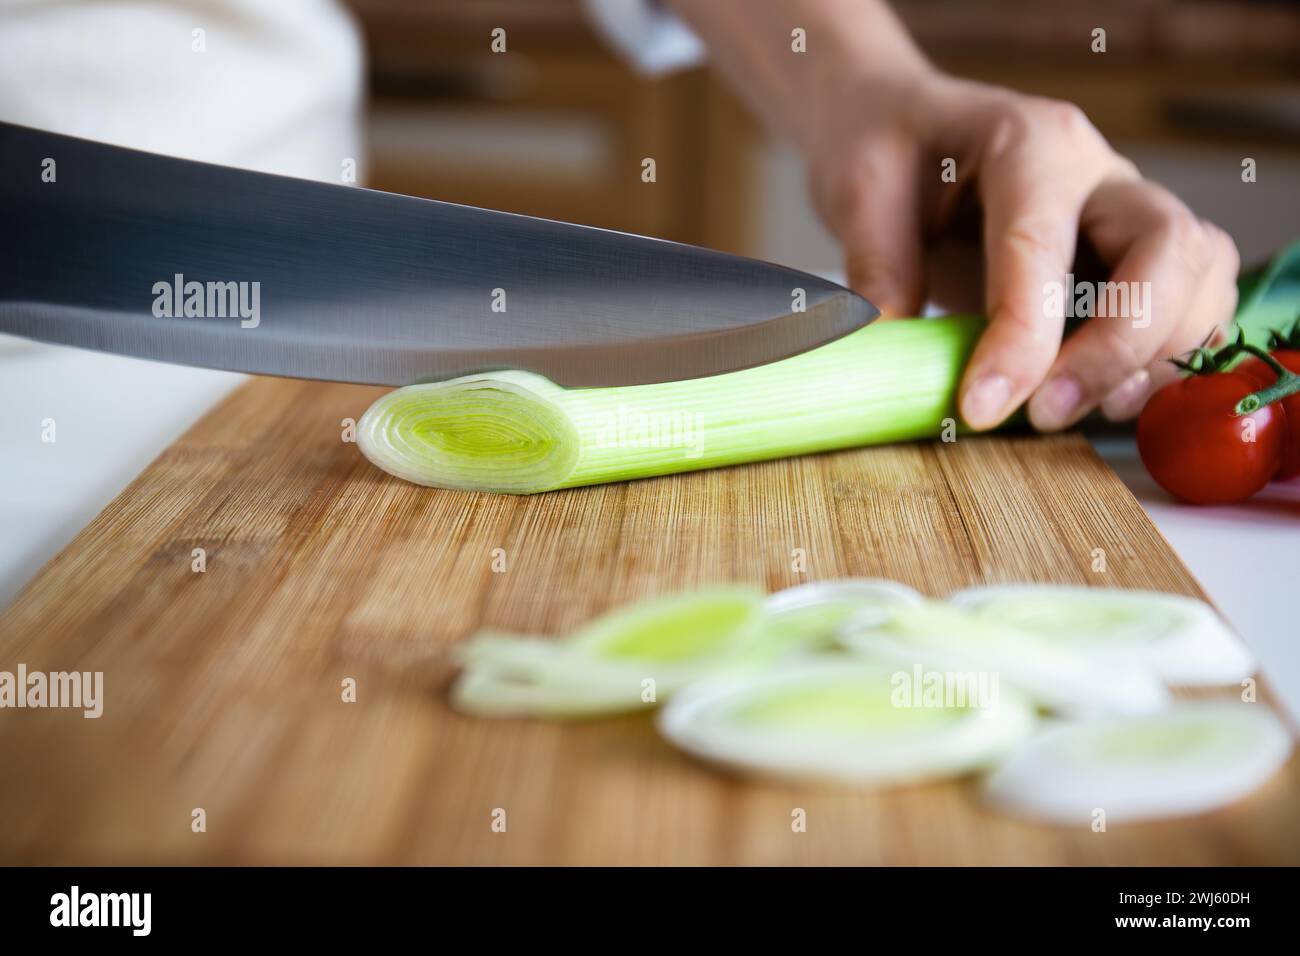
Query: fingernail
[[1128, 397], [985, 403], [1056, 403]]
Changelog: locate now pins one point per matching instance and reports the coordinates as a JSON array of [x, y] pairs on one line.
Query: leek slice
[[518, 432], [1183, 640], [1064, 678], [808, 617], [1193, 758], [837, 721], [679, 629], [482, 692], [625, 660]]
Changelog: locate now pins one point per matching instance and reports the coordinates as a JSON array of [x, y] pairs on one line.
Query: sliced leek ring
[[541, 660], [1193, 758], [677, 628], [837, 722], [808, 616], [481, 692], [1064, 678], [837, 592], [1182, 639], [625, 660]]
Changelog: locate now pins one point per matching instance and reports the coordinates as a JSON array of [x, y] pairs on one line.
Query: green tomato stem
[[1288, 383]]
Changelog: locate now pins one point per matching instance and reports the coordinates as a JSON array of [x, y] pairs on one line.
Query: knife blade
[[161, 258]]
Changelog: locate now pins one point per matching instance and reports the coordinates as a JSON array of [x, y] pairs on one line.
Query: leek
[[517, 432], [841, 722], [485, 692], [1065, 677], [808, 617], [1196, 757], [1179, 638], [622, 661], [864, 681], [604, 667]]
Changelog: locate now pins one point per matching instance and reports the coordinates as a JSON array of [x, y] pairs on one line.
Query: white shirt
[[272, 85]]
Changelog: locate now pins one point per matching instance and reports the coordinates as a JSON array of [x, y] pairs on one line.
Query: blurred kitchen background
[[558, 128]]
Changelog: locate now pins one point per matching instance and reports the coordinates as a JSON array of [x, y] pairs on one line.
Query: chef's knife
[[124, 251]]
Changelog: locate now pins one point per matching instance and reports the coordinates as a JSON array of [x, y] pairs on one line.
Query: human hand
[[1043, 176]]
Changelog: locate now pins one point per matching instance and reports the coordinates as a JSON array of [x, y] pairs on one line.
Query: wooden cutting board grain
[[223, 688]]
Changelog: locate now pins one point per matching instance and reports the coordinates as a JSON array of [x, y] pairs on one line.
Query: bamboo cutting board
[[223, 688]]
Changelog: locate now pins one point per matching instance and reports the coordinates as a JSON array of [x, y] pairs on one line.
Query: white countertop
[[113, 415]]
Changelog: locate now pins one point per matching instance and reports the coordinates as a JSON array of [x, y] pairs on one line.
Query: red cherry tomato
[[1265, 376], [1198, 450]]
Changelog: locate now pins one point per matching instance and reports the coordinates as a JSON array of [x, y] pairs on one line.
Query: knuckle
[[1009, 129], [841, 197], [848, 190], [848, 193], [1125, 168], [1191, 242], [1121, 354], [1032, 334], [1031, 238], [1066, 118], [1066, 125], [1225, 248]]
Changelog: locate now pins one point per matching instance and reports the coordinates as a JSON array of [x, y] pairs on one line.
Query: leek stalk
[[517, 432]]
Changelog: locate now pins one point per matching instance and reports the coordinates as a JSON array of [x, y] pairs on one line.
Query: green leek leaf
[[1268, 298]]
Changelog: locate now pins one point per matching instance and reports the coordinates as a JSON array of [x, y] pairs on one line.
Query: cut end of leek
[[496, 432], [838, 722], [1191, 759]]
